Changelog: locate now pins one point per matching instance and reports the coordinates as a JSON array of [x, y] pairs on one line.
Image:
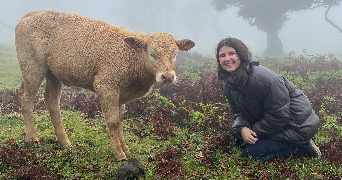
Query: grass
[[10, 73], [90, 156]]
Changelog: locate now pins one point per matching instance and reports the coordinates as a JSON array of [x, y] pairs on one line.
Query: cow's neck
[[138, 85]]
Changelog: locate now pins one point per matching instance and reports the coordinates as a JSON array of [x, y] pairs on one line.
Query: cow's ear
[[134, 42], [185, 44]]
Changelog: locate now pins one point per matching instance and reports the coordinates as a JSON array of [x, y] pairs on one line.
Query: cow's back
[[73, 47]]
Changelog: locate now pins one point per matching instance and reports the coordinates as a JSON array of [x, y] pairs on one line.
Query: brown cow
[[115, 63]]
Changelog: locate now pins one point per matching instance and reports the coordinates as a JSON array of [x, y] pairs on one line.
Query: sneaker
[[314, 150]]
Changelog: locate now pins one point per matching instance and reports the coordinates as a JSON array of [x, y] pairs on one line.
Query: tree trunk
[[274, 45]]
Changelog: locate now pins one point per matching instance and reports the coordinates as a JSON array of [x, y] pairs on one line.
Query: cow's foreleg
[[122, 139], [110, 108]]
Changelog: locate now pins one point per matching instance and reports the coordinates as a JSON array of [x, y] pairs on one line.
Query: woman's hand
[[248, 136]]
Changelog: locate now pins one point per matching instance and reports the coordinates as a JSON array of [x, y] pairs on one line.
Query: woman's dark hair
[[242, 51]]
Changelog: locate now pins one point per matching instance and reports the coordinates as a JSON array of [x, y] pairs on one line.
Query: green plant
[[288, 62], [192, 69], [293, 76], [156, 101], [207, 112], [321, 76], [330, 121], [297, 80]]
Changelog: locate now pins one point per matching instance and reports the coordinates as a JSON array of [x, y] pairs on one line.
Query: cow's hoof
[[127, 152], [68, 146], [32, 141], [65, 143], [122, 158]]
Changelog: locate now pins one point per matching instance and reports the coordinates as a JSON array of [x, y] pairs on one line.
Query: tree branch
[[329, 21]]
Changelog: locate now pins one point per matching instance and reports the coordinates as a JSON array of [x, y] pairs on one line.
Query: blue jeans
[[266, 149]]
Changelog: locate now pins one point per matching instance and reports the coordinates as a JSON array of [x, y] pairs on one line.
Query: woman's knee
[[251, 150], [266, 149]]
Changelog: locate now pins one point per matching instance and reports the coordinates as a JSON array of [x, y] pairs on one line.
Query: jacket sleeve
[[277, 110], [238, 124], [238, 120]]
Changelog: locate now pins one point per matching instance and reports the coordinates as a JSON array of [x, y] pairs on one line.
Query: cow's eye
[[174, 56], [153, 56]]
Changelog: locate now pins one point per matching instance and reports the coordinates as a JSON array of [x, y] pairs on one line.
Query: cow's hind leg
[[53, 89], [27, 91]]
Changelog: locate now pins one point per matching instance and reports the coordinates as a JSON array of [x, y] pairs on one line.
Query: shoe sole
[[315, 149]]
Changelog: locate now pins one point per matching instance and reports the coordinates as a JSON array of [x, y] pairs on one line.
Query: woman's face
[[229, 60]]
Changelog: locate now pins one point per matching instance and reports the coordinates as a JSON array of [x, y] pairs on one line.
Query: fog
[[192, 19]]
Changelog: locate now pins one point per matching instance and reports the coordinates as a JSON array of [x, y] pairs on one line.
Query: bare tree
[[329, 21], [270, 16]]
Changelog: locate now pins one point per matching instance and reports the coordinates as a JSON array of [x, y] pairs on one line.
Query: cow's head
[[161, 51]]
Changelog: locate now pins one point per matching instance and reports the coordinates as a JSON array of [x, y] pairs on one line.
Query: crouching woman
[[272, 118]]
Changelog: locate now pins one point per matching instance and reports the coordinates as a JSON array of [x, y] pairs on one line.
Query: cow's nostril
[[168, 77]]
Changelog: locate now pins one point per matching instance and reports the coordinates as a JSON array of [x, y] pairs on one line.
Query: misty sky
[[191, 19]]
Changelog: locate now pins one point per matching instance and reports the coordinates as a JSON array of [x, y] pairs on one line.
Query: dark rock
[[130, 170]]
